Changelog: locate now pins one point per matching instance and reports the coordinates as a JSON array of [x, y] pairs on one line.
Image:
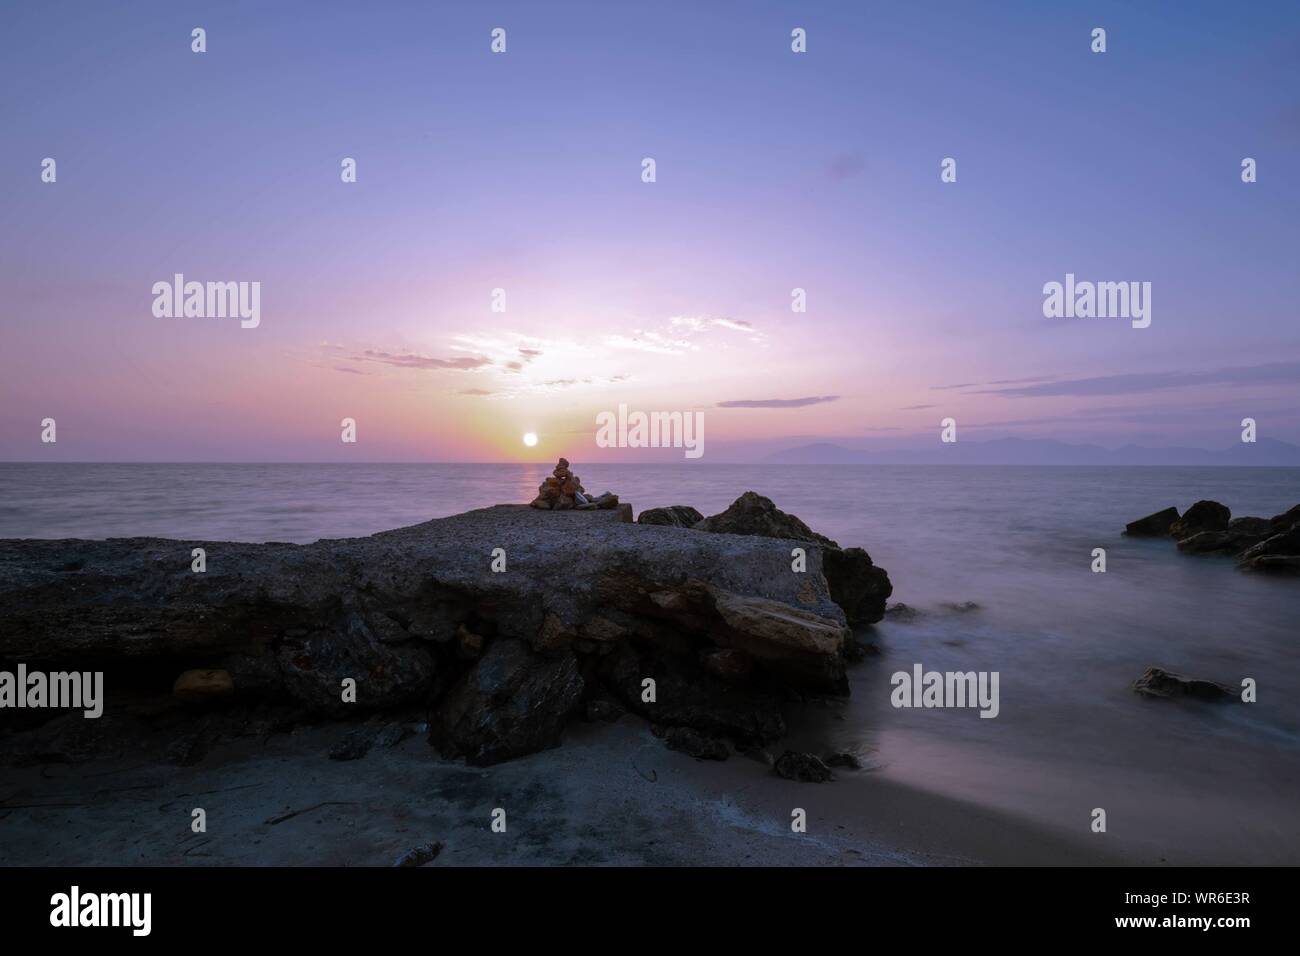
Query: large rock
[[1279, 553], [752, 514], [1241, 533], [1202, 516], [674, 516], [415, 617], [856, 584], [511, 702], [1154, 525], [1286, 519]]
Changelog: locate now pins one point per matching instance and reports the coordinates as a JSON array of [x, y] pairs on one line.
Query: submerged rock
[[902, 613], [1157, 682], [1154, 525]]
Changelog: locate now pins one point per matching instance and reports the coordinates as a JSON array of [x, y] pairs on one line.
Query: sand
[[611, 795]]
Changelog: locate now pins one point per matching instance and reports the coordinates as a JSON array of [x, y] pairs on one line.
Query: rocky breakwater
[[1208, 528], [500, 624]]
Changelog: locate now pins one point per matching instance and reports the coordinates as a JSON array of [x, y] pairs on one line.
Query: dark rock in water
[[1161, 683], [676, 516], [1203, 516], [856, 584], [806, 768], [843, 759], [1241, 533], [1278, 553], [1286, 520], [687, 740], [511, 702], [752, 514], [1152, 526], [420, 855], [960, 607]]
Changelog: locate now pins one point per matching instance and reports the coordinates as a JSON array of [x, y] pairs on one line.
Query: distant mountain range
[[1039, 451]]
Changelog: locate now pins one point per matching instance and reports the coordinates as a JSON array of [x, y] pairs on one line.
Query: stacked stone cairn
[[562, 491]]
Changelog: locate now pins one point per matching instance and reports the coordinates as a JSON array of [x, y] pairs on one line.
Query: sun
[[530, 439]]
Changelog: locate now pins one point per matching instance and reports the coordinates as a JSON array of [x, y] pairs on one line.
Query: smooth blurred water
[[1178, 781]]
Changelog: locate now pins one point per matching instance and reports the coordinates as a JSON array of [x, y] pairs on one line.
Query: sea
[[997, 563]]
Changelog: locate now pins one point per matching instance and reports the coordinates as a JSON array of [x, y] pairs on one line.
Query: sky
[[522, 171]]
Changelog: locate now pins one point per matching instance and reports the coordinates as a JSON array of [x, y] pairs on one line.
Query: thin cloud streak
[[779, 402]]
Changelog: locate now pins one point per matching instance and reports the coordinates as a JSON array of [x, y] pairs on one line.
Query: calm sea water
[[1179, 782]]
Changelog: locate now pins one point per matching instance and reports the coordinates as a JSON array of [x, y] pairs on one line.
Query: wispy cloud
[[1140, 382], [650, 341], [415, 360], [778, 402], [701, 323], [915, 408]]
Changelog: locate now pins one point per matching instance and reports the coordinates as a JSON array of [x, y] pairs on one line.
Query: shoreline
[[588, 802]]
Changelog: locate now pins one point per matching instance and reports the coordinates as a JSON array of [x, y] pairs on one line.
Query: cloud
[[778, 402], [344, 368], [643, 341], [427, 362], [1002, 381], [699, 323], [475, 391], [915, 408], [1142, 382]]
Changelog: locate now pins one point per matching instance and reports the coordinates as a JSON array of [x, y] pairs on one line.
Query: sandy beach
[[611, 795]]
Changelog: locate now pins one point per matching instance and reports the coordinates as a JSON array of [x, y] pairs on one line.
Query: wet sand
[[611, 795]]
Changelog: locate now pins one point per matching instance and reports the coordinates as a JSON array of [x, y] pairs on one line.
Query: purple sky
[[522, 171]]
